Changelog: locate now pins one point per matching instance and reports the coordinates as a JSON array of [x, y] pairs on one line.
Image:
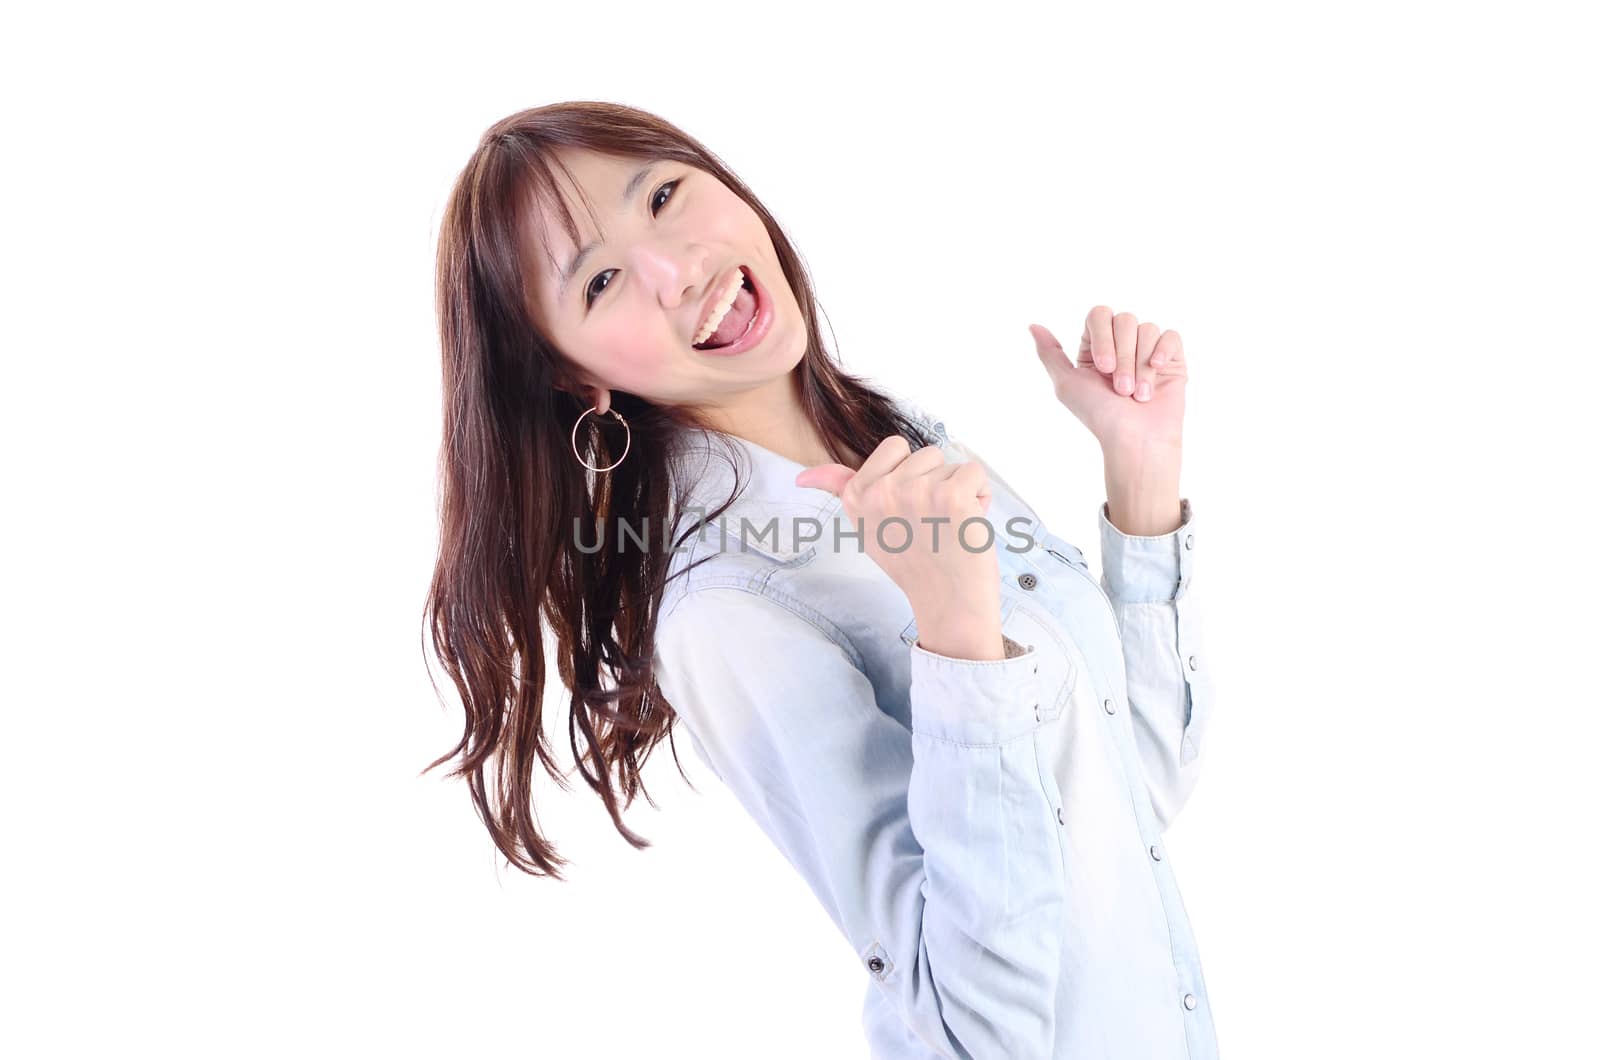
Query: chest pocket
[[1033, 628]]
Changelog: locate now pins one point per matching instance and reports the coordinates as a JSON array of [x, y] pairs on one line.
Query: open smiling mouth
[[737, 321]]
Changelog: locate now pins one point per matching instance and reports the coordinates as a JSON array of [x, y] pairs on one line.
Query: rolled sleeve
[[1149, 581], [976, 702], [1139, 569]]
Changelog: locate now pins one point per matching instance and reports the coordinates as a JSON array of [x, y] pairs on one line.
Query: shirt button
[[1192, 664], [1188, 542], [1027, 581], [876, 964], [1111, 706], [1155, 852], [1190, 1001], [1059, 818]]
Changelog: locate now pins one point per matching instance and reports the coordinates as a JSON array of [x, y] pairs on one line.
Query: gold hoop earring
[[627, 443]]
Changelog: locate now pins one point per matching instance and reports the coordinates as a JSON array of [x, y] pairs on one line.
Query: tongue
[[736, 320]]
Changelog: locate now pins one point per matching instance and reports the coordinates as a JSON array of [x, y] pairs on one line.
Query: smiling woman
[[673, 263], [970, 754], [584, 248]]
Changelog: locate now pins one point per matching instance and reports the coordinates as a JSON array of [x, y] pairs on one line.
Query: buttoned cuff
[[1138, 569], [975, 702]]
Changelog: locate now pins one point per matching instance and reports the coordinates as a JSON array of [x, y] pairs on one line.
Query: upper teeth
[[720, 309]]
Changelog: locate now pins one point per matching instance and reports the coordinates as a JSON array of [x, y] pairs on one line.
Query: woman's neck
[[771, 417]]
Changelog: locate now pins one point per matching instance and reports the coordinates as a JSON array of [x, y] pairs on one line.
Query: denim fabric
[[986, 835]]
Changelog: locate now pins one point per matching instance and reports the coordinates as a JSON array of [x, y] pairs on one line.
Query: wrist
[[965, 633], [1142, 497]]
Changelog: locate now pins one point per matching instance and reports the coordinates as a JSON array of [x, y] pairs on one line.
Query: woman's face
[[668, 246]]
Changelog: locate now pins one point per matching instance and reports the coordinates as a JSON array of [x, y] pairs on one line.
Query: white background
[[1373, 223]]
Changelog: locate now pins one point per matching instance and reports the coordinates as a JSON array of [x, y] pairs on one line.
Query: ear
[[589, 392]]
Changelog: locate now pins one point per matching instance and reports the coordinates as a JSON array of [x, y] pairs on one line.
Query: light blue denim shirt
[[986, 835]]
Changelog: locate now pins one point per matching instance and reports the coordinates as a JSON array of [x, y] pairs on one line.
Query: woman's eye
[[591, 293], [672, 185]]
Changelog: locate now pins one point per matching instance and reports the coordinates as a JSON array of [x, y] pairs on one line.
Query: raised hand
[[1127, 385]]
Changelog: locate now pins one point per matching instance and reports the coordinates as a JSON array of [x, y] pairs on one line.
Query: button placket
[[1191, 662], [878, 962], [1185, 566]]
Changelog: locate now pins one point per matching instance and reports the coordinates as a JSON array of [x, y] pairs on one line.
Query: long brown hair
[[512, 495]]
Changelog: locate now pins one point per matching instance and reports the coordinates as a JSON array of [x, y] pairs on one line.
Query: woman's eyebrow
[[634, 183]]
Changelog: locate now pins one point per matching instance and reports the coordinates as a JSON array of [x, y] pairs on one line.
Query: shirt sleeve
[[935, 850], [1149, 580]]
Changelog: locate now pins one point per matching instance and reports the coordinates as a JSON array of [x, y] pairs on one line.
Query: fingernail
[[1124, 385], [1144, 391]]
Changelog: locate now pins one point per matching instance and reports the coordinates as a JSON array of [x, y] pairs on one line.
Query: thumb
[[830, 477], [1070, 380]]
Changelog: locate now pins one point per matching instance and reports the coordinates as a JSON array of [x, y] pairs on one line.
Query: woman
[[966, 745]]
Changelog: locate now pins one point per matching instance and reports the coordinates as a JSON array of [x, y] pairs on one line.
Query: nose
[[675, 270]]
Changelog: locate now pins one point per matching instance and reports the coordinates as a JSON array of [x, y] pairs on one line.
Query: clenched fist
[[911, 507]]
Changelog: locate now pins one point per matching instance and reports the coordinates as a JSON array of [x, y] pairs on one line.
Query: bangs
[[540, 192]]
